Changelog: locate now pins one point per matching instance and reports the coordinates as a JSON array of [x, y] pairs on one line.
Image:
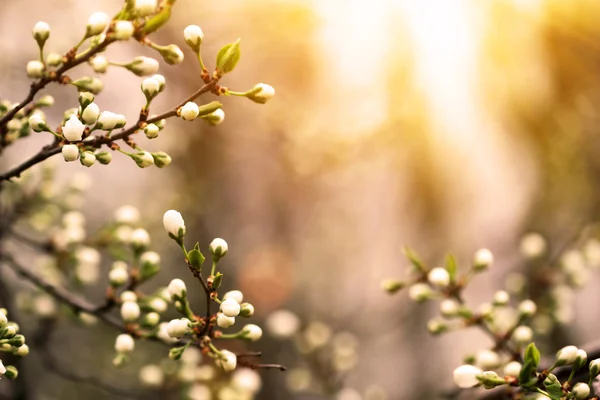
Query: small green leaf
[[228, 57], [196, 259], [414, 258], [157, 21], [532, 354], [217, 281], [553, 387], [451, 266], [527, 372]]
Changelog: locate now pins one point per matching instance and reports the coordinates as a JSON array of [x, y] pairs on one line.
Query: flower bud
[[123, 30], [224, 321], [228, 361], [150, 88], [130, 310], [436, 326], [90, 114], [118, 277], [127, 215], [3, 320], [174, 223], [17, 341], [144, 8], [99, 63], [35, 69], [87, 84], [73, 129], [527, 308], [261, 93], [104, 157], [230, 308], [235, 295], [246, 310], [87, 158], [161, 81], [54, 59], [178, 327], [501, 298], [581, 390], [252, 332], [96, 24], [419, 292], [218, 248], [41, 33], [152, 376], [140, 239], [11, 372], [172, 54], [70, 152], [482, 260], [533, 245], [128, 296], [439, 277], [193, 37], [189, 111], [594, 368], [513, 368], [449, 307], [37, 123], [177, 289], [522, 335], [158, 305], [151, 319], [161, 159], [151, 131], [124, 343], [22, 351], [121, 121], [391, 285], [487, 359], [465, 376], [150, 265], [106, 121], [566, 356], [142, 66], [85, 99], [215, 117], [143, 159]]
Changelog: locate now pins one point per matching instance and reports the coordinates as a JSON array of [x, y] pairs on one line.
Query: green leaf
[[532, 354], [157, 21], [195, 258], [414, 258], [553, 387], [228, 57], [451, 266], [527, 372], [217, 281]]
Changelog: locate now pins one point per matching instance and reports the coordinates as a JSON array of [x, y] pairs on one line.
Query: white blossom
[[124, 343], [177, 328], [252, 332], [189, 111], [173, 223], [70, 152], [35, 69], [224, 321], [228, 361], [465, 376], [73, 129], [96, 23], [130, 310], [123, 30], [230, 308]]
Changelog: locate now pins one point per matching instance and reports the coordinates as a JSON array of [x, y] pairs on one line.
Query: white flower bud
[[2, 369], [261, 93], [218, 248], [88, 158], [522, 334], [96, 23], [177, 288], [130, 310], [482, 260], [35, 69], [229, 361], [252, 332], [144, 8], [235, 295], [172, 54], [150, 257], [99, 63], [246, 380], [128, 296], [90, 114], [127, 215], [124, 343], [161, 81], [150, 87], [419, 292], [246, 310], [513, 368], [123, 30], [566, 356], [161, 159], [189, 111], [439, 277], [533, 245], [436, 326], [193, 37], [465, 376], [174, 223], [215, 118], [282, 324], [118, 276], [70, 152], [140, 238], [73, 129], [37, 123], [143, 159], [87, 84], [23, 350], [527, 308], [158, 305], [230, 308], [119, 264], [449, 307], [151, 319], [152, 376], [164, 335], [487, 359], [107, 120], [151, 131], [224, 321], [41, 32], [142, 66], [501, 298], [121, 121], [178, 327], [54, 59], [581, 390], [3, 320]]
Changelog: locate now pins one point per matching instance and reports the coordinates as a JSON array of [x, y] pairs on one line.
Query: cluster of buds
[[12, 342], [528, 377]]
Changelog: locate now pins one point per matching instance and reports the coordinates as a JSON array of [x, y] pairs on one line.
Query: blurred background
[[442, 125]]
